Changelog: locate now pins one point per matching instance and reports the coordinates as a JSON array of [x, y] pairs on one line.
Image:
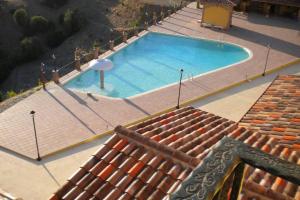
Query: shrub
[[2, 97], [5, 70], [10, 94], [54, 3], [55, 38], [73, 21], [31, 48], [21, 17], [39, 24], [51, 26], [5, 65]]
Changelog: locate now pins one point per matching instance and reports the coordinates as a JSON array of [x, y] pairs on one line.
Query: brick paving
[[64, 117]]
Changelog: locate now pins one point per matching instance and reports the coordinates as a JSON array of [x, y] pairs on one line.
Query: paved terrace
[[34, 180], [64, 117]]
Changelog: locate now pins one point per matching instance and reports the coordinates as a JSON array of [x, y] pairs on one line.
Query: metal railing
[[83, 57], [225, 165]]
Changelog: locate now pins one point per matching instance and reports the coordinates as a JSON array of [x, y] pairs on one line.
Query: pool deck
[[33, 180], [64, 117]]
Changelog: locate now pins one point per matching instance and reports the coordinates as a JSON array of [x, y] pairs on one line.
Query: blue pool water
[[154, 61]]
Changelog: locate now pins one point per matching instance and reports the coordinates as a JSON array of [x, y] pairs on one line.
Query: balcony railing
[[225, 165]]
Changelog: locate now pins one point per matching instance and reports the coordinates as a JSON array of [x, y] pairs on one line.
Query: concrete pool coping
[[71, 76], [186, 103], [64, 118]]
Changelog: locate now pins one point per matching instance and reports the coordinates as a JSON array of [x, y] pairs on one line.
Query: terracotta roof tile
[[94, 185], [103, 191], [116, 177], [151, 162], [114, 194], [277, 112], [98, 167], [87, 179], [146, 173], [84, 195], [124, 182], [144, 192]]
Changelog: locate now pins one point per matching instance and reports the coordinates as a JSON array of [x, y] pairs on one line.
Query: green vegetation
[[31, 48], [38, 30], [55, 38], [5, 65], [96, 44], [10, 94], [44, 32], [21, 17], [5, 70], [54, 3], [73, 21], [2, 97], [39, 24]]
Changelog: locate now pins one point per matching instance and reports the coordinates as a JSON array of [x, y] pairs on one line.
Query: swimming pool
[[154, 61]]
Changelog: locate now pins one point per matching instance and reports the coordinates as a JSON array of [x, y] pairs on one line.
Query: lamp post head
[[32, 112], [181, 70]]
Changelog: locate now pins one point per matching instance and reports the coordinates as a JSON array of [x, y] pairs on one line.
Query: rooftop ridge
[[166, 151]]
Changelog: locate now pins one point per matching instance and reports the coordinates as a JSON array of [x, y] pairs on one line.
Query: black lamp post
[[179, 92], [267, 58], [35, 136]]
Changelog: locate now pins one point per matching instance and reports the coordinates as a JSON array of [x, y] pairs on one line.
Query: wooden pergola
[[284, 5]]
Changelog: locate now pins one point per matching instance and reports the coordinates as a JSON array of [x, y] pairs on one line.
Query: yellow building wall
[[216, 15]]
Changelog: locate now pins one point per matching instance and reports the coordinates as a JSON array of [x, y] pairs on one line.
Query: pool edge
[[188, 102]]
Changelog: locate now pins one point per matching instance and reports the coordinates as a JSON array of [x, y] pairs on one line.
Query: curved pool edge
[[247, 50]]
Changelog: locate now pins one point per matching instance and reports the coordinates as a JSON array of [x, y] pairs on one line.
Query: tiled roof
[[277, 112], [282, 2], [151, 162]]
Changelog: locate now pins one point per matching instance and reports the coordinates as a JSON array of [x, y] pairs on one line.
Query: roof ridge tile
[[166, 151]]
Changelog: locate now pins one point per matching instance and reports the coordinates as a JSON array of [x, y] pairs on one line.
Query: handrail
[[227, 157], [130, 31]]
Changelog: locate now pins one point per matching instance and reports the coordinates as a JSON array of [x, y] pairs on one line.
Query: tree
[[55, 38], [54, 3], [73, 21], [31, 48], [39, 24], [21, 17]]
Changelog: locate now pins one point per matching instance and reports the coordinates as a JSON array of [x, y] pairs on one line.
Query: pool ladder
[[221, 41], [190, 77]]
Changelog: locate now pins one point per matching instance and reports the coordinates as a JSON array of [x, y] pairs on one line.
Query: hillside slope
[[101, 15]]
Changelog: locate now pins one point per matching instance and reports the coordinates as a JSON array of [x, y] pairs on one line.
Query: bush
[[10, 94], [2, 96], [21, 17], [54, 3], [31, 48], [55, 38], [73, 21], [5, 70], [39, 24], [5, 65], [51, 26], [96, 44]]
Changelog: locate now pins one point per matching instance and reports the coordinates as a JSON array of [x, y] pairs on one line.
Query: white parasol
[[101, 65]]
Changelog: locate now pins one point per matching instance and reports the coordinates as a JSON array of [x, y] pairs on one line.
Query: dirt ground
[[101, 16]]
